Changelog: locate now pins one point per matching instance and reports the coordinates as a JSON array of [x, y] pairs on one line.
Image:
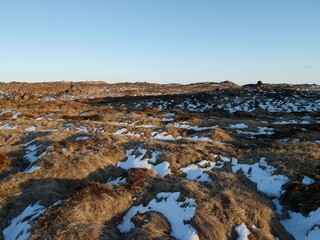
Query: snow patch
[[303, 227], [122, 130], [175, 212], [82, 138], [8, 127], [194, 128], [262, 174], [116, 181], [242, 231], [166, 119], [238, 126], [20, 226], [199, 138], [308, 181], [140, 161], [261, 131], [15, 116], [196, 171], [30, 129], [31, 169], [164, 136], [82, 129], [279, 207], [31, 156], [291, 122]]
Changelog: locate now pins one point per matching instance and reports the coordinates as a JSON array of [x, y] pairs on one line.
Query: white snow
[[291, 122], [307, 180], [262, 174], [164, 136], [7, 111], [132, 134], [194, 128], [15, 116], [82, 129], [8, 127], [169, 114], [196, 171], [238, 126], [167, 137], [154, 156], [140, 161], [31, 169], [301, 227], [31, 152], [220, 163], [286, 122], [278, 206], [125, 123], [66, 125], [116, 181], [199, 138], [28, 143], [30, 129], [20, 226], [82, 138], [242, 231], [166, 119], [31, 156], [145, 126], [120, 131], [261, 131], [175, 212]]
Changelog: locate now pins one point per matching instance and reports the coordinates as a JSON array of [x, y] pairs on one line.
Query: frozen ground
[[200, 157]]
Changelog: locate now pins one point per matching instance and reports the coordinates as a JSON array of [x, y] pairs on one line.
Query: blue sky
[[160, 41]]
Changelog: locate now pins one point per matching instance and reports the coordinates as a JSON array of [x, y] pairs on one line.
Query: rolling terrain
[[216, 161]]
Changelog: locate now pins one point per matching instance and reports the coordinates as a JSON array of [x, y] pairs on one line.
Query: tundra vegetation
[[215, 161]]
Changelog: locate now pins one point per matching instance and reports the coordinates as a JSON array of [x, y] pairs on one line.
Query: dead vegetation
[[83, 153]]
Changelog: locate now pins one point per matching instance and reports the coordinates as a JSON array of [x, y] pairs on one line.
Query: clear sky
[[160, 40]]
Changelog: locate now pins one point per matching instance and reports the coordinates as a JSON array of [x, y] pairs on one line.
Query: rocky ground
[[148, 161]]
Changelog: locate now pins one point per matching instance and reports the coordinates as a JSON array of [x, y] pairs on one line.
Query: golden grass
[[77, 171], [83, 215]]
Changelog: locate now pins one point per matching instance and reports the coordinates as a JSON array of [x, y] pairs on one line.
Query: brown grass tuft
[[208, 226], [5, 163], [84, 215], [221, 135]]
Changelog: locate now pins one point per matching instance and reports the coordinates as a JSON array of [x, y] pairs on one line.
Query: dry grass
[[77, 171], [83, 216], [221, 135], [5, 163]]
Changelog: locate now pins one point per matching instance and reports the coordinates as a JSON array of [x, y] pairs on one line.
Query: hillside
[[94, 160]]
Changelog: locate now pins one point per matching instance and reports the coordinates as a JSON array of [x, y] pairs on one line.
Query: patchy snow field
[[148, 161]]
